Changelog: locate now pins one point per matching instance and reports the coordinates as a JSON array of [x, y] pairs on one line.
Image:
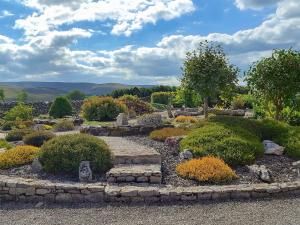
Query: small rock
[[271, 148], [296, 164], [85, 172], [39, 204], [186, 154], [173, 144], [261, 172], [36, 166]]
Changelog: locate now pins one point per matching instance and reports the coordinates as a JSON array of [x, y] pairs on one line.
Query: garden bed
[[280, 167]]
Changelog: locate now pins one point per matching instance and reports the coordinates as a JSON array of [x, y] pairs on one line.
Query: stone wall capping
[[29, 190]]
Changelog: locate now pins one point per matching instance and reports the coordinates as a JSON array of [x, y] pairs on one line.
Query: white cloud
[[254, 4], [127, 16], [48, 55], [5, 13]]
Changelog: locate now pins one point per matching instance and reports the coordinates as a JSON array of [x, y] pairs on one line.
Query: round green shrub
[[135, 104], [20, 112], [64, 125], [102, 108], [17, 135], [64, 154], [235, 145], [60, 108], [38, 138]]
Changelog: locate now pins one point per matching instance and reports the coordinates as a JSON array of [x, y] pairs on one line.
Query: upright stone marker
[[122, 119], [85, 172]]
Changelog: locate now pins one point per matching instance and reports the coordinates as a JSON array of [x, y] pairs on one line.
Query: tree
[[2, 95], [208, 72], [276, 79], [22, 96], [60, 107], [76, 95]]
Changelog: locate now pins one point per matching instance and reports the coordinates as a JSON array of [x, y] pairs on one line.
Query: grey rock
[[296, 164], [186, 154], [85, 172], [271, 148], [36, 166], [122, 120], [261, 172]]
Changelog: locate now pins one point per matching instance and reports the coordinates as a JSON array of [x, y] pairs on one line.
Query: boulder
[[173, 144], [85, 172], [122, 120], [271, 148], [261, 172], [186, 155], [36, 166]]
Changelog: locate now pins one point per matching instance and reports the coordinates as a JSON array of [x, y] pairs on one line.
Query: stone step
[[129, 152], [148, 173]]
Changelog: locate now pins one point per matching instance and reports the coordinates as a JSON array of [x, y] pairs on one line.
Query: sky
[[135, 41]]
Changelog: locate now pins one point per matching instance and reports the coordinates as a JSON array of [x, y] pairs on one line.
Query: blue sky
[[135, 41]]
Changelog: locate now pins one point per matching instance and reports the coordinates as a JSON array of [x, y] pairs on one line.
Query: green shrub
[[60, 108], [64, 154], [135, 104], [4, 144], [8, 125], [238, 102], [18, 156], [161, 97], [102, 108], [234, 144], [37, 138], [64, 125], [19, 112], [17, 135], [159, 106]]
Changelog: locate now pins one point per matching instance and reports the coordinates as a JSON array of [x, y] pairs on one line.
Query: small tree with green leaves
[[276, 79], [208, 72], [60, 108], [2, 95], [76, 95]]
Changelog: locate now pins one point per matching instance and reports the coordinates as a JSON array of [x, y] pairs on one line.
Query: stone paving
[[133, 162]]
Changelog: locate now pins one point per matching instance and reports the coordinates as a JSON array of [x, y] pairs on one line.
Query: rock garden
[[176, 146]]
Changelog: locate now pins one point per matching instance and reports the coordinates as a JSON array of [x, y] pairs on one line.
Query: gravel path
[[279, 211]]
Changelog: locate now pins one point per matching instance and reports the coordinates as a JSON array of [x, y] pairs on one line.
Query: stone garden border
[[30, 190]]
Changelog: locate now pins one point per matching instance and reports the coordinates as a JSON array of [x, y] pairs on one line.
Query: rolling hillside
[[46, 91]]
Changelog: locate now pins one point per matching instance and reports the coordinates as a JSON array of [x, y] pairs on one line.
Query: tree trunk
[[279, 108], [205, 107]]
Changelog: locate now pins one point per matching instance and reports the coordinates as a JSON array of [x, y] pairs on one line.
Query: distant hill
[[46, 91]]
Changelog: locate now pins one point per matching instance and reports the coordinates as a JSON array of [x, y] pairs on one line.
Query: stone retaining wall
[[39, 108], [120, 131], [27, 190]]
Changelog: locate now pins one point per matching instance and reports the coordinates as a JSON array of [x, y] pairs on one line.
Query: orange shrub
[[206, 169], [18, 156], [163, 134], [186, 119]]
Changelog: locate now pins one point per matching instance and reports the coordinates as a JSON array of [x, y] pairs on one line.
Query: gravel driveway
[[279, 211]]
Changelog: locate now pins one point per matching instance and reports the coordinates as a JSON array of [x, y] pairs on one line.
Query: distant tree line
[[142, 92]]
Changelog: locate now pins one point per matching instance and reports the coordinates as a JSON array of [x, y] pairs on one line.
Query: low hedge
[[64, 154], [163, 134], [17, 135], [206, 169], [38, 138], [64, 125], [18, 156]]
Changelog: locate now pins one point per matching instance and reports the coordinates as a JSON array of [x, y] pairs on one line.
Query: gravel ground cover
[[280, 166], [263, 212]]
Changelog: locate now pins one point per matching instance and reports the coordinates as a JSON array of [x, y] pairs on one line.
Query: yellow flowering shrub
[[163, 134], [209, 169], [186, 119], [18, 156]]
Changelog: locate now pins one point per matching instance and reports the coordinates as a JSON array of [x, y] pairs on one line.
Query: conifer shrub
[[17, 134], [64, 125], [4, 144], [186, 119], [136, 104], [60, 108], [102, 108], [38, 138], [163, 134], [18, 156], [206, 169], [63, 154]]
